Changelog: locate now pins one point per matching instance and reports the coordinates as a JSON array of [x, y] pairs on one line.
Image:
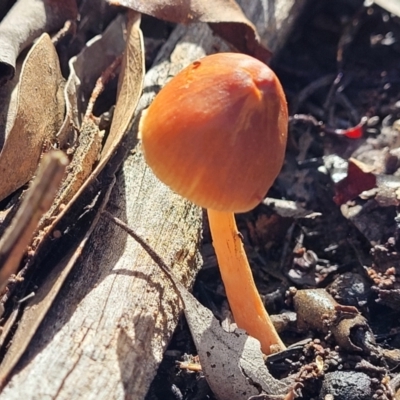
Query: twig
[[153, 255], [69, 28], [105, 77], [37, 201]]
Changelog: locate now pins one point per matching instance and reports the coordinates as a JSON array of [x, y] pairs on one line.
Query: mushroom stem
[[245, 302]]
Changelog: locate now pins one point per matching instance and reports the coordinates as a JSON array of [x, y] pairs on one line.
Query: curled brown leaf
[[225, 17], [26, 21], [39, 115]]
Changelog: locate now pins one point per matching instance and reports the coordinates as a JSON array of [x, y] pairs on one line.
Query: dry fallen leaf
[[359, 179], [26, 21], [39, 115], [130, 86], [225, 17], [8, 104], [232, 362]]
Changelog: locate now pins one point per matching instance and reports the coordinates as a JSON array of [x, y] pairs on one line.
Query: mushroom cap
[[216, 133]]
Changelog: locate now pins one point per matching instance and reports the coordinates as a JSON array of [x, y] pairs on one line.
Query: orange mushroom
[[216, 134]]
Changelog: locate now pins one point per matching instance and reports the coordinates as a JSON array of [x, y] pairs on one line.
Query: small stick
[[29, 296], [153, 255], [35, 204], [69, 28], [105, 77]]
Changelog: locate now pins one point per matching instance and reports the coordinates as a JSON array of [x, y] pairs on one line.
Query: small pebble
[[346, 385]]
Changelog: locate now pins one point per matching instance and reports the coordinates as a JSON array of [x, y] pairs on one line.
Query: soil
[[341, 74]]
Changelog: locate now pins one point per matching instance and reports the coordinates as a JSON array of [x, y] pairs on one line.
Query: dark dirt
[[341, 72]]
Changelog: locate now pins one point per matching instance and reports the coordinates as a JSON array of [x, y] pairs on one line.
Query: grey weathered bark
[[109, 326]]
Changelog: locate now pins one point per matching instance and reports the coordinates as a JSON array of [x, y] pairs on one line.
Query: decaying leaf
[[358, 180], [39, 115], [224, 16], [232, 362], [26, 21]]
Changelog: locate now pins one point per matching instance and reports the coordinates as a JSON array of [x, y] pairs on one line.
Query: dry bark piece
[[39, 116], [26, 21], [224, 16], [119, 321]]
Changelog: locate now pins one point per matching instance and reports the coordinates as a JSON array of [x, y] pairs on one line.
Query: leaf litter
[[312, 189], [88, 153]]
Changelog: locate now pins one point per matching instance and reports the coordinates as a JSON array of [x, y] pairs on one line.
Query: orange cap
[[216, 133]]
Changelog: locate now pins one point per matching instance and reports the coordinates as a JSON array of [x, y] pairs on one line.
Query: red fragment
[[356, 182], [355, 132]]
